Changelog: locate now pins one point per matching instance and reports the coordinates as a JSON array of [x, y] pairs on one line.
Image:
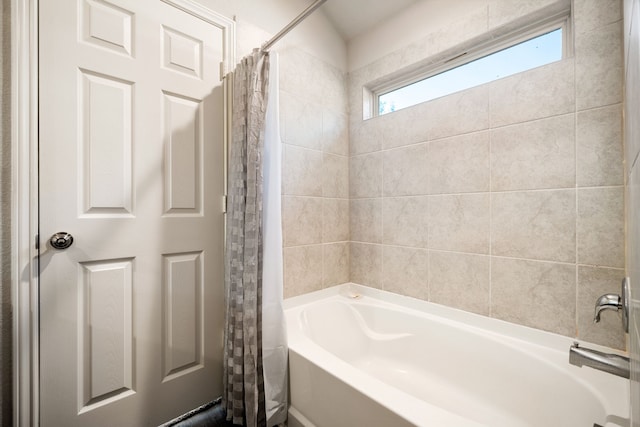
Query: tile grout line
[[382, 251], [485, 255], [428, 214], [490, 214], [470, 193], [576, 150]]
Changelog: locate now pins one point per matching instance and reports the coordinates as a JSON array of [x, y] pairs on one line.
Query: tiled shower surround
[[505, 200], [315, 187]]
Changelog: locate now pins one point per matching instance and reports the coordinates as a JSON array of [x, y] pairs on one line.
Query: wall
[[632, 176], [315, 207], [5, 230], [314, 131], [505, 199], [314, 35], [422, 19]]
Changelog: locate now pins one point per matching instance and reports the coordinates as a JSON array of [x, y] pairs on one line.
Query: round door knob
[[61, 240]]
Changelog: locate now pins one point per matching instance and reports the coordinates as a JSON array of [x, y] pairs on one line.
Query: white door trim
[[227, 25], [24, 209], [24, 191]]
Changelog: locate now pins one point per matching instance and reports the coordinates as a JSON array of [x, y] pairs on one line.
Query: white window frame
[[488, 45]]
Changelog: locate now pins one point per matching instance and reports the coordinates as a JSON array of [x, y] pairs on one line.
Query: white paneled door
[[131, 166]]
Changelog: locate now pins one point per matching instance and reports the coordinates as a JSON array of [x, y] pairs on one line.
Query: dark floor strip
[[211, 414]]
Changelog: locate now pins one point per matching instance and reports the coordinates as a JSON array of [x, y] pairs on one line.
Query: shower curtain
[[255, 354], [274, 334]]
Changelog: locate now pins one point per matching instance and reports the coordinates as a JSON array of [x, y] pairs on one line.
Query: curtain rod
[[308, 11]]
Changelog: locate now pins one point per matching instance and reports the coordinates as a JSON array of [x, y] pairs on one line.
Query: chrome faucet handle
[[617, 303], [607, 302]]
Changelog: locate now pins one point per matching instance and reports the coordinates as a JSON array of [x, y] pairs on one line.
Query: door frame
[[24, 189]]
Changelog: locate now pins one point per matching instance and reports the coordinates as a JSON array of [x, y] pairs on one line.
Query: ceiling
[[353, 17]]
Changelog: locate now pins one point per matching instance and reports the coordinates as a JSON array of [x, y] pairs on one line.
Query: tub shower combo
[[359, 356]]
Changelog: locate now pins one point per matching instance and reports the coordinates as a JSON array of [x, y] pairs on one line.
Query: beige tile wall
[[315, 205], [506, 199], [632, 187]]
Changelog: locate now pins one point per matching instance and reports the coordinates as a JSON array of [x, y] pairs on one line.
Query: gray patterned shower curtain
[[243, 373], [255, 359]]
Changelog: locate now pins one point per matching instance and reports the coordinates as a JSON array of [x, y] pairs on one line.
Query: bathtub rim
[[480, 322]]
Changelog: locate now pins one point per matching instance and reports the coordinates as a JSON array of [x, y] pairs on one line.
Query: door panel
[[105, 121], [131, 164], [182, 122], [105, 331], [182, 343]]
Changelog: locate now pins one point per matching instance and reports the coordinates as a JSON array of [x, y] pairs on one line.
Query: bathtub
[[360, 357]]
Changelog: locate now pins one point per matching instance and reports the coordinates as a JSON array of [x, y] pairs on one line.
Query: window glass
[[524, 56]]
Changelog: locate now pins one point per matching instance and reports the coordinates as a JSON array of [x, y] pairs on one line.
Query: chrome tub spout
[[611, 363]]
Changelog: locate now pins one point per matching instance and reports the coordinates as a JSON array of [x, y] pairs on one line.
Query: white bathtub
[[360, 357]]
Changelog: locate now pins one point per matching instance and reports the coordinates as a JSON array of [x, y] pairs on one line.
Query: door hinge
[[37, 242], [224, 204], [222, 70]]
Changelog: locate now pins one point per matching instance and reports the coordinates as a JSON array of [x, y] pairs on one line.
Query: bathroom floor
[[213, 416]]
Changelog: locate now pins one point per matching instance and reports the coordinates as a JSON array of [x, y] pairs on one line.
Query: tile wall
[[506, 199], [315, 205], [632, 175]]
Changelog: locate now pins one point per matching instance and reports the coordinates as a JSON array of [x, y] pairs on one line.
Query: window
[[494, 60]]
